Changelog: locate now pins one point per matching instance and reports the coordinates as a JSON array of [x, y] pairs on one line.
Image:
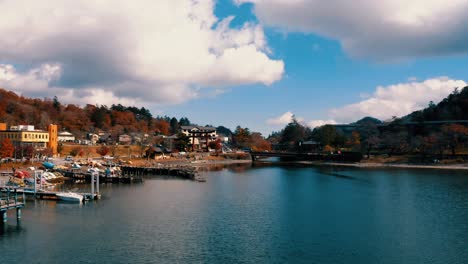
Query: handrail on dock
[[9, 199]]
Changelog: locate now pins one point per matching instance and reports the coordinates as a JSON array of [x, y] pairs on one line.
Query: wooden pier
[[9, 200], [86, 176], [189, 173], [45, 195]]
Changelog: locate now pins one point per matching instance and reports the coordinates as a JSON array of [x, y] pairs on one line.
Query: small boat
[[70, 197], [48, 165]]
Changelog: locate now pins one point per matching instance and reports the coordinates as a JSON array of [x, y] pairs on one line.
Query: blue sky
[[319, 76], [252, 63]]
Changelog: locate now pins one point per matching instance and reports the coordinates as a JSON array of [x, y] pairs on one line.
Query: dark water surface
[[259, 215]]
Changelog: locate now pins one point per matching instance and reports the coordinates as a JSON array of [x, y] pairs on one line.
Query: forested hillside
[[15, 109], [453, 107]]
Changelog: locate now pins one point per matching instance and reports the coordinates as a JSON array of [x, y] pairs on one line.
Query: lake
[[243, 214]]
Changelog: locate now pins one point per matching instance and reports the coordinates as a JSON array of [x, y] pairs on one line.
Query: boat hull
[[70, 197]]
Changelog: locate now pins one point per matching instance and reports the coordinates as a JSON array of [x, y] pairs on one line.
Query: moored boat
[[70, 197]]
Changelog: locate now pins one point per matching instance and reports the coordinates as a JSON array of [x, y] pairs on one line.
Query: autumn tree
[[6, 148], [354, 141], [259, 143], [103, 150], [455, 136], [161, 126], [215, 144], [241, 137], [76, 151]]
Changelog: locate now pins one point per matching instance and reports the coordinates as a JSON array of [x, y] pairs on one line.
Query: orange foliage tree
[[259, 143], [6, 148], [161, 126], [103, 150], [455, 135]]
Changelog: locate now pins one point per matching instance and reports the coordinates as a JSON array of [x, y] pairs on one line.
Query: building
[[53, 138], [125, 139], [93, 138], [200, 136], [23, 136], [65, 136]]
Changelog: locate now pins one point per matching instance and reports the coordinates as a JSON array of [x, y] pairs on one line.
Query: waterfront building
[[200, 136], [27, 135]]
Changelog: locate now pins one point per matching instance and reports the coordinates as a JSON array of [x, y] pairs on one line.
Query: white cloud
[[318, 123], [281, 120], [385, 29], [398, 100], [284, 119], [156, 51]]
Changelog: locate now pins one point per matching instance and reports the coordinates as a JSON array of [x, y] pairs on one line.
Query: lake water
[[255, 215]]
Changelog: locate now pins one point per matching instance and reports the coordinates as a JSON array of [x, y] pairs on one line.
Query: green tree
[[293, 133], [184, 121], [56, 103], [174, 126], [182, 142], [326, 135]]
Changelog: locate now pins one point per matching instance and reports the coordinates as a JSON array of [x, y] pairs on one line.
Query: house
[[125, 139], [310, 146], [200, 136], [65, 136], [105, 137], [94, 138]]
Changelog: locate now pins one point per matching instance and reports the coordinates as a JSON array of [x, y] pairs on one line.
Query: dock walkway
[[10, 200]]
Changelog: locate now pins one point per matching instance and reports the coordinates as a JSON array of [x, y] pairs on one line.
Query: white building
[[65, 136]]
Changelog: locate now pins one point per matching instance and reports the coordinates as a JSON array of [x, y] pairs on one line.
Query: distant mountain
[[453, 107], [368, 120]]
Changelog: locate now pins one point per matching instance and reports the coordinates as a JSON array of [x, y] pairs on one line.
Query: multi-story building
[[22, 136], [200, 136]]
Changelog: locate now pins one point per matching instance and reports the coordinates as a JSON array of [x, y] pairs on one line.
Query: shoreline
[[386, 165], [370, 165]]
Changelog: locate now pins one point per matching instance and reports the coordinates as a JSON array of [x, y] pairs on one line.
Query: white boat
[[70, 197]]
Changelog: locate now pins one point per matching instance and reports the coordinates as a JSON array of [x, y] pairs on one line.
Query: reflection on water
[[259, 214], [9, 230]]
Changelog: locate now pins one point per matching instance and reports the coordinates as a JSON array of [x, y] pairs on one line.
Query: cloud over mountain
[[386, 29], [398, 99], [153, 51]]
